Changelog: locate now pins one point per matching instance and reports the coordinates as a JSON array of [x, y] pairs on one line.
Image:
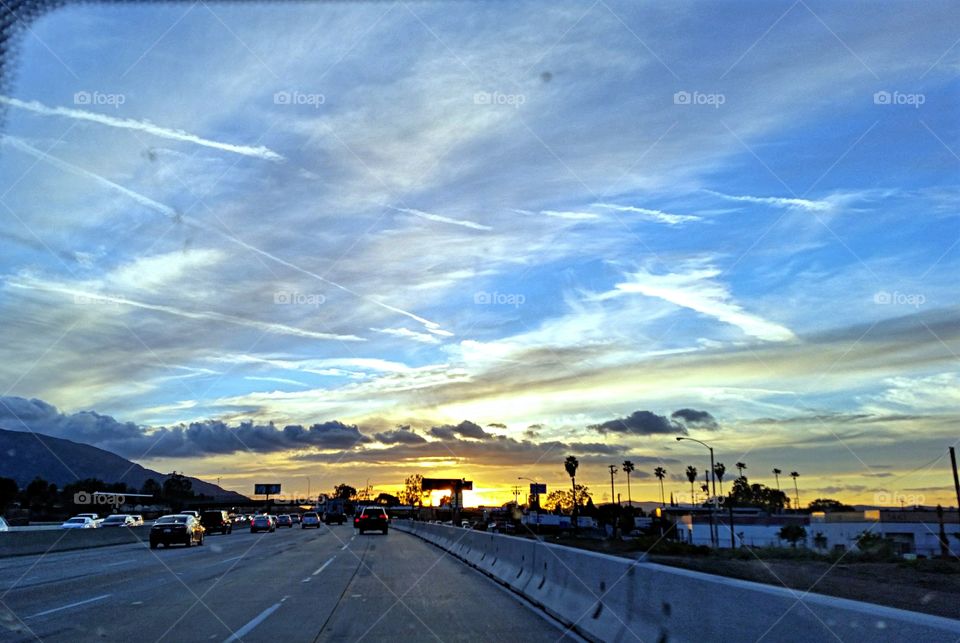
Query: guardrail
[[608, 598], [41, 541]]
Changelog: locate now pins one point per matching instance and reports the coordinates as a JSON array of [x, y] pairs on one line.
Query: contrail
[[176, 216], [270, 327], [141, 126], [442, 219]]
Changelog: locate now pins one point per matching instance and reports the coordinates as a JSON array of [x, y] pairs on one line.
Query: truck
[[333, 510]]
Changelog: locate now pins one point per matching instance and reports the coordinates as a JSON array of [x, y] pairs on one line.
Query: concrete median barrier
[[608, 598], [22, 543]]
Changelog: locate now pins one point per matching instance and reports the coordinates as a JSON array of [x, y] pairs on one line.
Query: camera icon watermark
[[294, 298], [484, 298], [884, 97], [714, 100], [499, 98], [99, 498], [99, 98], [886, 298], [297, 98]]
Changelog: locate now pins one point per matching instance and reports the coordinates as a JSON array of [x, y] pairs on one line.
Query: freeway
[[295, 585]]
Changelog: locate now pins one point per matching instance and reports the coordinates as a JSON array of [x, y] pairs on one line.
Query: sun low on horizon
[[472, 248]]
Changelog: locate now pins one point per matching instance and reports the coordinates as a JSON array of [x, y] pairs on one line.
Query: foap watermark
[[99, 498], [893, 498], [484, 298], [499, 98], [714, 100], [884, 97], [298, 98], [885, 297], [294, 298], [99, 98]]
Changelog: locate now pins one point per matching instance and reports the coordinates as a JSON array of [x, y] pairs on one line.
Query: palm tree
[[628, 469], [719, 469], [740, 467], [660, 473], [692, 477], [796, 490], [776, 474], [571, 464]]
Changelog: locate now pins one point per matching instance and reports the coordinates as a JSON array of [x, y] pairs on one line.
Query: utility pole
[[956, 479], [613, 472]]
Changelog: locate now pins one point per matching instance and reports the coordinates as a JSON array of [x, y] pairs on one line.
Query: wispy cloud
[[140, 126], [406, 333], [779, 202], [278, 380], [571, 215], [657, 215], [698, 290], [442, 219]]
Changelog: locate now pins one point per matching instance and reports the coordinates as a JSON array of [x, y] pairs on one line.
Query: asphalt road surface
[[326, 584]]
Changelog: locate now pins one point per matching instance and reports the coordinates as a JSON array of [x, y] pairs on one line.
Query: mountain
[[25, 455]]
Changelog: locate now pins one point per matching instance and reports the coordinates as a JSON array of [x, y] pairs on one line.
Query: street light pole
[[713, 483]]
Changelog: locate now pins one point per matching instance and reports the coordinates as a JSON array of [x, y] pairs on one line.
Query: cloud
[[141, 126], [465, 429], [779, 202], [640, 423], [196, 440], [278, 380], [657, 215], [406, 333], [694, 419], [698, 290], [400, 435], [570, 215], [442, 219]]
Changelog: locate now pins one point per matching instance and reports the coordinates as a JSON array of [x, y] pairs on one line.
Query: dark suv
[[217, 521], [372, 519]]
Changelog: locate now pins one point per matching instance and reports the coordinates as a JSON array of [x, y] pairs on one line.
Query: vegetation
[[660, 474], [828, 504], [412, 493], [793, 534], [745, 494], [562, 500]]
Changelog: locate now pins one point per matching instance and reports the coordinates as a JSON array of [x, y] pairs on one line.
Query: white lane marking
[[323, 566], [257, 620], [306, 580], [66, 607], [345, 545], [119, 562]]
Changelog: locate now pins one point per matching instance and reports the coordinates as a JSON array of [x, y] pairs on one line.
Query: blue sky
[[555, 213]]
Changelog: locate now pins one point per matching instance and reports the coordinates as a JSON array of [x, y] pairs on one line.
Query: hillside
[[24, 456]]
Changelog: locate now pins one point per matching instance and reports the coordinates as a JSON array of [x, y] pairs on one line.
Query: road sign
[[536, 488], [266, 489]]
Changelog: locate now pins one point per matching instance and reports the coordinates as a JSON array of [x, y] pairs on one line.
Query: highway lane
[[300, 585]]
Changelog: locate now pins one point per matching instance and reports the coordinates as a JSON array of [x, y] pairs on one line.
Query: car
[[3, 524], [262, 522], [372, 519], [295, 518], [466, 524], [94, 517], [191, 512], [310, 519], [176, 529], [137, 520], [217, 520], [120, 520], [79, 522], [274, 518], [284, 520]]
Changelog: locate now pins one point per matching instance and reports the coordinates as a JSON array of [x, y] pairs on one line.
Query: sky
[[348, 242]]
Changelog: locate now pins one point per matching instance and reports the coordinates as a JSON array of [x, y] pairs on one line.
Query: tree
[[343, 491], [387, 499], [571, 464], [719, 469], [412, 493], [152, 487], [40, 495], [660, 473], [9, 489], [177, 487], [740, 467], [745, 494], [692, 477], [562, 500], [793, 534], [776, 474], [628, 468], [828, 504]]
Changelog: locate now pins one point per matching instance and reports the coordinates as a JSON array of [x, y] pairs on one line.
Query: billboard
[[444, 484], [266, 489], [536, 488]]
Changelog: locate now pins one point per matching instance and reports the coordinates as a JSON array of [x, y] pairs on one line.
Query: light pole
[[713, 482], [537, 500]]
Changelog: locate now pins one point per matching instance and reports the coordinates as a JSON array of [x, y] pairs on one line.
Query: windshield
[[172, 520], [78, 521]]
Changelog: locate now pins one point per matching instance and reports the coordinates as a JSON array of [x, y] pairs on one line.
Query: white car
[[137, 520], [79, 522], [3, 525]]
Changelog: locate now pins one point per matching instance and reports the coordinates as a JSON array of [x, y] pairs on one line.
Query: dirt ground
[[928, 586]]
